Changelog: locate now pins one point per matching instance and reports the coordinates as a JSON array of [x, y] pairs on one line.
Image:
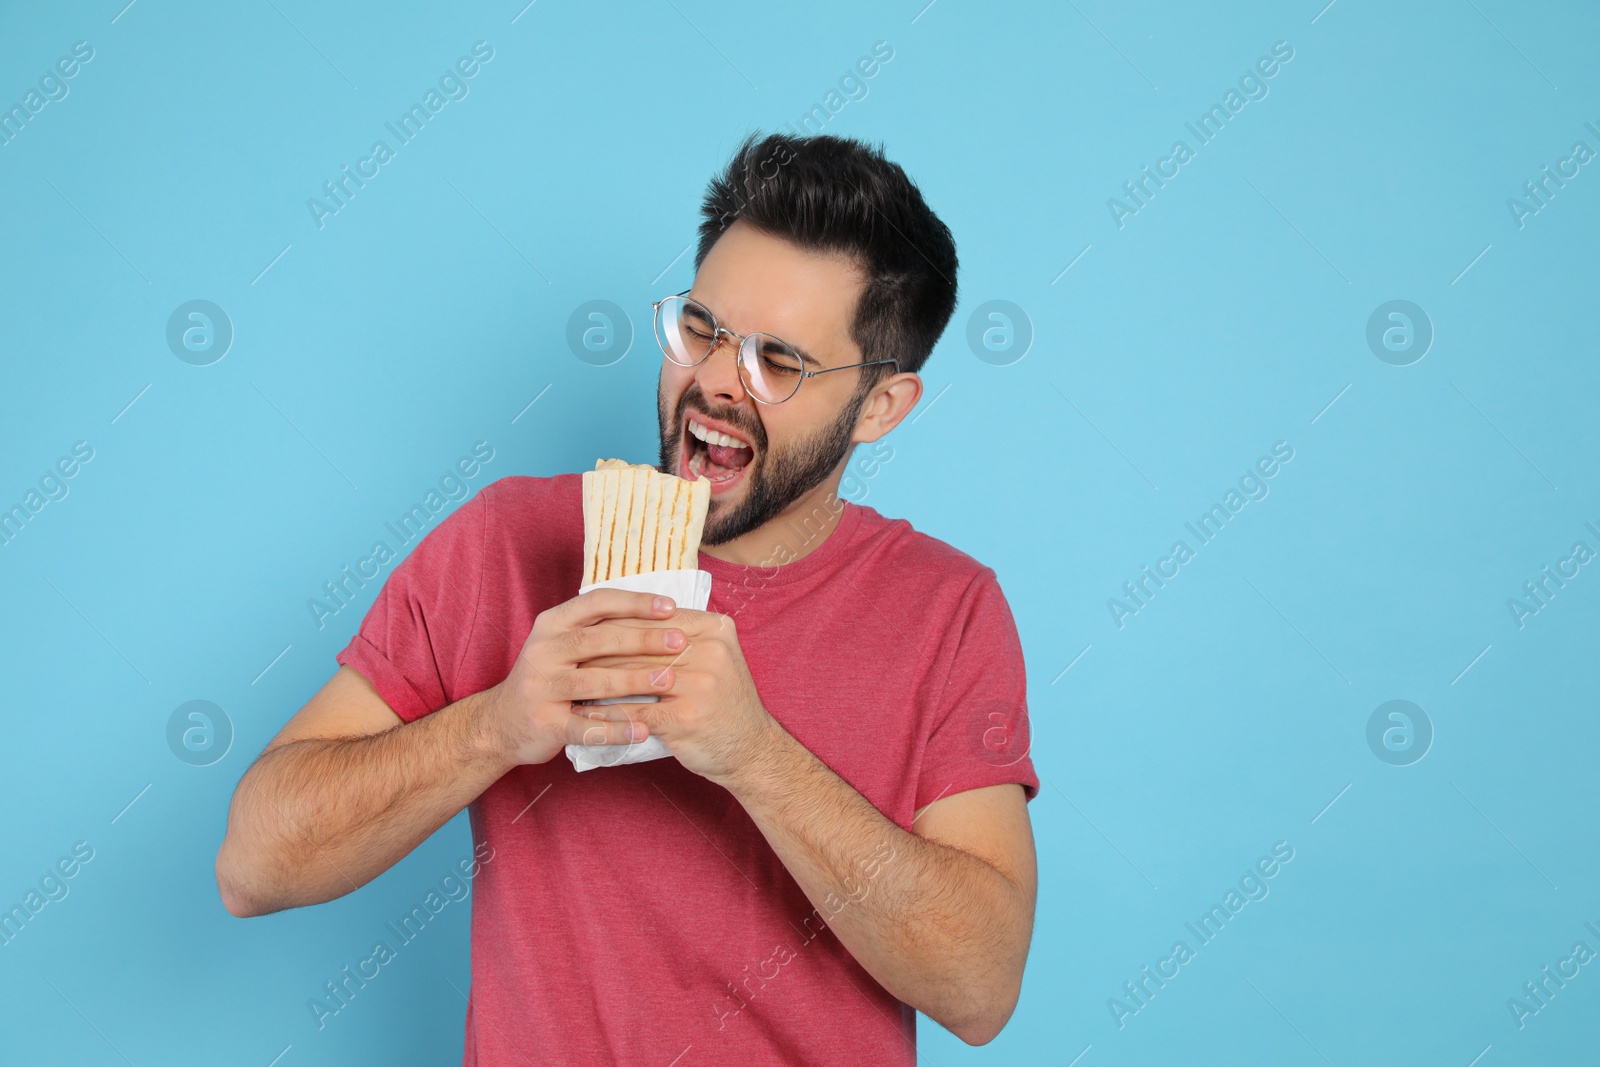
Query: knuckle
[[572, 685], [569, 643], [553, 733]]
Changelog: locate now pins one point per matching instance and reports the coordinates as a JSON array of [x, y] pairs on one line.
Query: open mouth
[[719, 456]]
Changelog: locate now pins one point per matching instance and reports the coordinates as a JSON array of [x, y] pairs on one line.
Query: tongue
[[728, 456]]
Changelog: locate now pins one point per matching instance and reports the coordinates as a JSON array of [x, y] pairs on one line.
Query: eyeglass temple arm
[[850, 366], [657, 303]]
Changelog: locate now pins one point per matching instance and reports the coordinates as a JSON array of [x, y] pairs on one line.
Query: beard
[[773, 479]]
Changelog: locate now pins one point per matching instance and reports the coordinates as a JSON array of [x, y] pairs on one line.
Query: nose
[[718, 376]]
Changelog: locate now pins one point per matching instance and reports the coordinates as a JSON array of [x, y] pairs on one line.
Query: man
[[842, 836]]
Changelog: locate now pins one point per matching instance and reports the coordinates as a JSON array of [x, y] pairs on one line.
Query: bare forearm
[[317, 818], [938, 927]]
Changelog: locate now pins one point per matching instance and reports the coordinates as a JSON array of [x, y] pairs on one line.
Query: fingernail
[[658, 676], [637, 731], [663, 604], [674, 640]]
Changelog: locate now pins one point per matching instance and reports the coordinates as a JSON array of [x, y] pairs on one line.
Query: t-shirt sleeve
[[414, 636], [981, 734]]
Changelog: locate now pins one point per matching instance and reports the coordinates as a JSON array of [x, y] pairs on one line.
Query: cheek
[[680, 378], [824, 406], [829, 395], [670, 386], [788, 423]]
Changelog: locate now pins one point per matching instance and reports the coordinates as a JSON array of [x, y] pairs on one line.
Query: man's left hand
[[710, 716]]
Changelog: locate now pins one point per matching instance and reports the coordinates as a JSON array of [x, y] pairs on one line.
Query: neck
[[799, 530]]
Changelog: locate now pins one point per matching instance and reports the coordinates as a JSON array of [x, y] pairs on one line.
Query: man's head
[[821, 242]]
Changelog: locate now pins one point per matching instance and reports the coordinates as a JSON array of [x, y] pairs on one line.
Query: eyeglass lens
[[770, 368]]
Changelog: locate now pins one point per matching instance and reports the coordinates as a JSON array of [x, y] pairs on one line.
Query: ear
[[890, 401]]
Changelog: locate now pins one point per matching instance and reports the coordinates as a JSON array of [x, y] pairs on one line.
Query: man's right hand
[[532, 711]]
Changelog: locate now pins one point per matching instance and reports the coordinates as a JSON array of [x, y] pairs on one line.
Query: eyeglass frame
[[716, 340]]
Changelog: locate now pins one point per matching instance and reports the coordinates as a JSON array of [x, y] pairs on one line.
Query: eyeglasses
[[770, 369]]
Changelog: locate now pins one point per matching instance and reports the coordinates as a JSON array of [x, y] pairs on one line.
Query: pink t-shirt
[[636, 914]]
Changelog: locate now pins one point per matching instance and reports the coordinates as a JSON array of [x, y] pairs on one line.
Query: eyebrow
[[805, 357]]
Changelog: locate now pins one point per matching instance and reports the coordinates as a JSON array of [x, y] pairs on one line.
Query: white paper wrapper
[[688, 589]]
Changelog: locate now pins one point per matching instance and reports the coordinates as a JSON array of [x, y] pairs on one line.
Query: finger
[[647, 714], [597, 604], [648, 663], [583, 731], [611, 712], [595, 683], [692, 623], [618, 639]]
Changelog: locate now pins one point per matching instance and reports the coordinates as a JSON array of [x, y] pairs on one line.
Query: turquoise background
[[1229, 313]]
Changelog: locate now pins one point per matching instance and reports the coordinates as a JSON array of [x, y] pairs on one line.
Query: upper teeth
[[715, 437]]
